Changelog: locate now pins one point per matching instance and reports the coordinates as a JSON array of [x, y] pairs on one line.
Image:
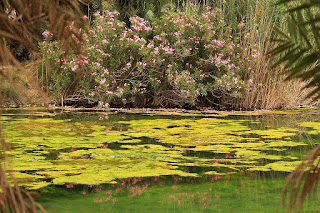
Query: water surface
[[97, 161]]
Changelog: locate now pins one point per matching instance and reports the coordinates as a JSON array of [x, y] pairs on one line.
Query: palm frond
[[304, 62], [303, 179], [298, 45]]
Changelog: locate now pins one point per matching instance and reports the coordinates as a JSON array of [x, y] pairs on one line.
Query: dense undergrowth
[[213, 54]]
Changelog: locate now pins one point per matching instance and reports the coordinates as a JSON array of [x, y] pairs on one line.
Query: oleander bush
[[176, 59]]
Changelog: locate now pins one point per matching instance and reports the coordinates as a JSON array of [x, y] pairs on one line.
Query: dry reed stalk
[[269, 89]]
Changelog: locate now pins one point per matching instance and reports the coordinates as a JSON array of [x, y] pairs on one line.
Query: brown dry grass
[[269, 89], [19, 90]]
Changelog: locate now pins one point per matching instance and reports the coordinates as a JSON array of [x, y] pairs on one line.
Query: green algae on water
[[49, 151]]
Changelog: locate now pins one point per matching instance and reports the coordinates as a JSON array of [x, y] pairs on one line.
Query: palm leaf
[[282, 48], [315, 32], [304, 63], [310, 73], [299, 8], [294, 59], [280, 33], [298, 31], [298, 47], [289, 55]]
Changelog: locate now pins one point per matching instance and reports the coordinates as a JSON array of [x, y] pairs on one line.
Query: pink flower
[[75, 68], [156, 50], [46, 34], [103, 81]]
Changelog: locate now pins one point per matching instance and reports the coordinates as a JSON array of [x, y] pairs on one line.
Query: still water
[[158, 161]]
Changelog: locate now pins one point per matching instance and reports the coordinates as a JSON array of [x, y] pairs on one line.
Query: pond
[[157, 160]]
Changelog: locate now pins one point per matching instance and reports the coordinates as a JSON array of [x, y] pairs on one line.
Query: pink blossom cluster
[[139, 24]]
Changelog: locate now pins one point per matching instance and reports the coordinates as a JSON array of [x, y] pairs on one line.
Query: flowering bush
[[174, 59]]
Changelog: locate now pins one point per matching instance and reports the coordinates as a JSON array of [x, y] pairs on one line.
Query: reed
[[253, 22]]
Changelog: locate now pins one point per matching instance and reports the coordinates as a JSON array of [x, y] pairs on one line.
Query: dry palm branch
[[298, 52], [20, 22]]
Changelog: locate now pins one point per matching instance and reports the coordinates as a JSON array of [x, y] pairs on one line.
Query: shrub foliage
[[176, 59]]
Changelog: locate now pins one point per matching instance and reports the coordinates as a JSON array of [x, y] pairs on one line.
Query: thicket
[[167, 66], [176, 59]]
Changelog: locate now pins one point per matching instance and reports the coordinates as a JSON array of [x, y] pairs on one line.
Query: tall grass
[[268, 87], [252, 21], [12, 197]]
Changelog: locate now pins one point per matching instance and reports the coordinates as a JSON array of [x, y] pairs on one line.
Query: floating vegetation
[[279, 166], [314, 125], [50, 151]]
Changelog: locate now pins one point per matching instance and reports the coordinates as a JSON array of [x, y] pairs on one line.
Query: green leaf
[[283, 2], [282, 48], [303, 63], [299, 8], [314, 81], [310, 73], [315, 91], [294, 58], [280, 33], [314, 28], [287, 56], [302, 32]]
